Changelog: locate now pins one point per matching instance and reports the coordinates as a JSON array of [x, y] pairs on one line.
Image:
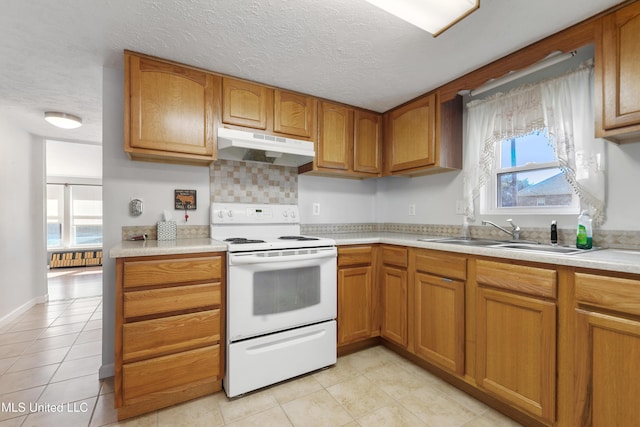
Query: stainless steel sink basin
[[541, 248], [465, 242], [514, 245]]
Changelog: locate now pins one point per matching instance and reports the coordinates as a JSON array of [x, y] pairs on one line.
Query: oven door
[[272, 291]]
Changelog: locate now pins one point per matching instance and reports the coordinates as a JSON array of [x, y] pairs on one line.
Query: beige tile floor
[[50, 356]]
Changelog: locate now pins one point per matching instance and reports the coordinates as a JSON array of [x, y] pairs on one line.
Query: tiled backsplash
[[184, 231], [243, 182], [602, 238]]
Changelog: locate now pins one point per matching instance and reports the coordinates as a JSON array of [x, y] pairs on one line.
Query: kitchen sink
[[465, 242], [502, 244], [541, 248]]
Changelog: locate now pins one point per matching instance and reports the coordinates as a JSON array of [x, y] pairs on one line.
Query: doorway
[[74, 220]]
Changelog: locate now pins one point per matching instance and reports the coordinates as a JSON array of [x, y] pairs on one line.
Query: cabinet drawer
[[148, 379], [355, 255], [169, 271], [441, 265], [156, 337], [530, 280], [168, 300], [394, 256], [613, 293]]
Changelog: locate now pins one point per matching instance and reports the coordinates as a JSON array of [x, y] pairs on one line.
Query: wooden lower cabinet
[[516, 336], [607, 355], [439, 321], [394, 294], [355, 286], [169, 334], [394, 305], [607, 350], [439, 308], [516, 350], [356, 294]]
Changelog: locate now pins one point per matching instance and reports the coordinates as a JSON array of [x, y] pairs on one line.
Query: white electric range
[[281, 295]]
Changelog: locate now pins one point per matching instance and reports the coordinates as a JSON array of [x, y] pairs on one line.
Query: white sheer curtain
[[563, 105]]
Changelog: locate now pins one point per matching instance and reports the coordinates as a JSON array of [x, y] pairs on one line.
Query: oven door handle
[[281, 256]]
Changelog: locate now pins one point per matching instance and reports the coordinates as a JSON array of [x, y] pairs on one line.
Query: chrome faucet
[[515, 230]]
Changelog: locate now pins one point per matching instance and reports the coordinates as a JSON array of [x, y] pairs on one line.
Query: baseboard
[[23, 308], [106, 371]]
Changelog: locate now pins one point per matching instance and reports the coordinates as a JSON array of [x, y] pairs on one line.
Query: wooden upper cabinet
[[335, 136], [618, 66], [294, 114], [423, 137], [367, 142], [244, 103], [169, 111], [411, 135], [349, 142]]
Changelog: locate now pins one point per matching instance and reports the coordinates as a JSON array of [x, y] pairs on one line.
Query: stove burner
[[298, 238], [242, 240]]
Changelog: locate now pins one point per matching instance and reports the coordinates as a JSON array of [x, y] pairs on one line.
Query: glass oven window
[[280, 291]]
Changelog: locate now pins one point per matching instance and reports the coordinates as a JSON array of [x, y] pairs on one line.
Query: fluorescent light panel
[[433, 16]]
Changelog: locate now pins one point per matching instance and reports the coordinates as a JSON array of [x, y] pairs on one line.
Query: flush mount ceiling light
[[63, 120], [433, 16]]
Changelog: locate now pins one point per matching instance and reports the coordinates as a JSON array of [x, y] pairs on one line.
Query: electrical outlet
[[459, 207], [316, 209], [412, 209]]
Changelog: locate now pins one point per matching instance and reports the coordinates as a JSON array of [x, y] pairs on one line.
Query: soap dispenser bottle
[[584, 235], [554, 233]]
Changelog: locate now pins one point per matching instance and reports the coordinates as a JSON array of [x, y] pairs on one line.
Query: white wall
[[123, 179], [387, 199], [23, 250], [62, 161], [623, 197], [434, 196], [341, 200]]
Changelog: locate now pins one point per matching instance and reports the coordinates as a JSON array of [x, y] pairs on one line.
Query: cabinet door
[[516, 350], [355, 287], [367, 140], [294, 114], [244, 103], [607, 370], [412, 135], [439, 321], [335, 136], [621, 67], [394, 305], [170, 108]]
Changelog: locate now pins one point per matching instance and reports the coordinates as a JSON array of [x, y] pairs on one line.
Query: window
[[74, 215], [512, 174], [527, 178]]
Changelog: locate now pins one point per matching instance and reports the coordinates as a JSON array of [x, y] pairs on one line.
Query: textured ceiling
[[53, 52]]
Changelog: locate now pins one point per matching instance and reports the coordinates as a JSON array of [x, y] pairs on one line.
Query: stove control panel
[[241, 213]]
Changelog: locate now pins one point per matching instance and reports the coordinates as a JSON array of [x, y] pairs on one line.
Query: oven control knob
[[293, 214], [220, 214], [285, 214], [230, 213]]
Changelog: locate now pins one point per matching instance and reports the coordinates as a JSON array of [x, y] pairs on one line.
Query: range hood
[[258, 147]]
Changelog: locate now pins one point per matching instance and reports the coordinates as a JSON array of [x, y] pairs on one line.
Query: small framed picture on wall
[[185, 199]]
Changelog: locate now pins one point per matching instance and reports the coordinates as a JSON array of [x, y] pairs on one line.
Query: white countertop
[[129, 248], [620, 260]]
